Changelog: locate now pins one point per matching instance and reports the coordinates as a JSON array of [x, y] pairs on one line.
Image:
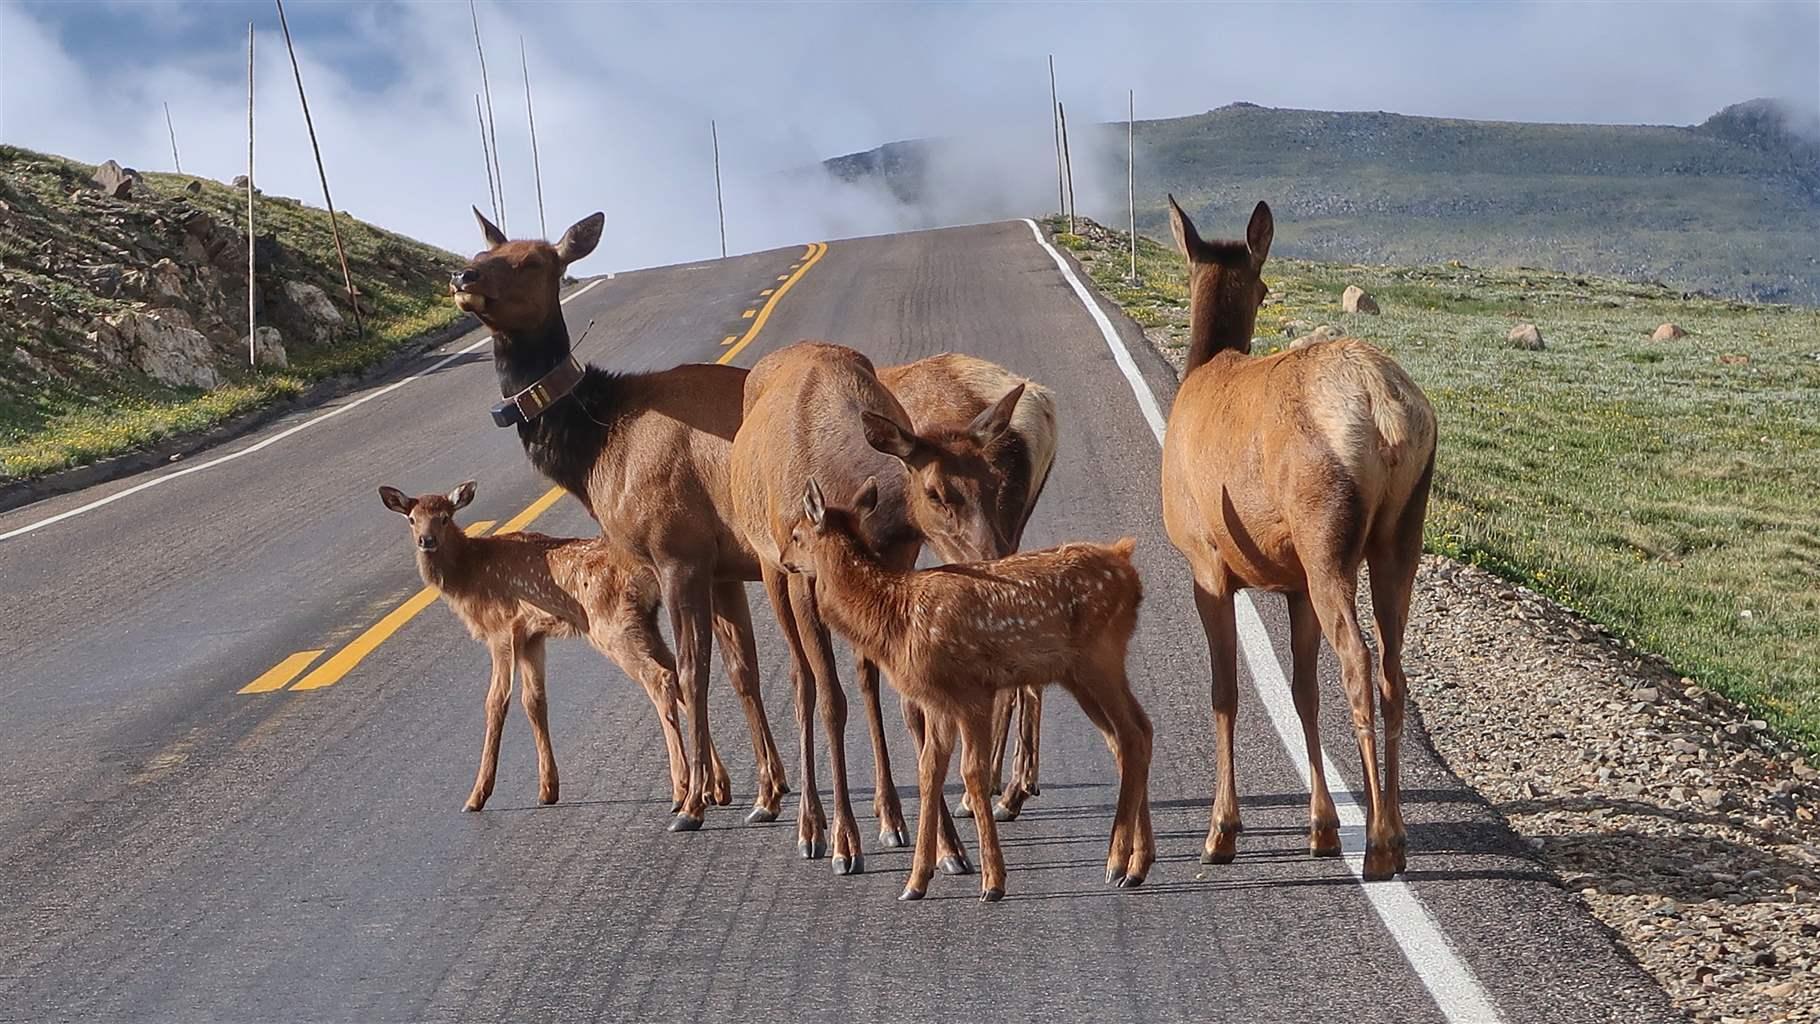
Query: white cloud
[[624, 94]]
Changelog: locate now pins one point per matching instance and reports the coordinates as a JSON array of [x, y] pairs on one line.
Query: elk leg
[[1029, 703], [1392, 579], [976, 764], [686, 593], [931, 773], [1134, 736], [1003, 706], [892, 832], [811, 822], [1223, 647], [1087, 693], [844, 845], [537, 709], [1304, 652], [953, 853], [739, 653], [1334, 593], [498, 690]]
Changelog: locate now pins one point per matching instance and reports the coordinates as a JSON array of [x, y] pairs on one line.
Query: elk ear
[[813, 505], [581, 238], [866, 501], [495, 237], [1259, 232], [887, 436], [996, 418], [1187, 239], [462, 495], [396, 501]]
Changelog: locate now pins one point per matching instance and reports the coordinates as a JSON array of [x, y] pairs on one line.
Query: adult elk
[[515, 590], [815, 409], [646, 454], [955, 637], [1285, 473], [945, 395]]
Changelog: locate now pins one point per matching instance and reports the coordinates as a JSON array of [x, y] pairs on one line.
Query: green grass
[[82, 410], [1669, 496]]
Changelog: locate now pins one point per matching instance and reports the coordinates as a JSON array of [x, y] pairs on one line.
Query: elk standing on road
[[1285, 473], [818, 409], [949, 396], [513, 591], [953, 638], [646, 454]]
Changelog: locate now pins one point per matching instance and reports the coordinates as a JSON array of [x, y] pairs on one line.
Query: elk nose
[[463, 277], [427, 543]]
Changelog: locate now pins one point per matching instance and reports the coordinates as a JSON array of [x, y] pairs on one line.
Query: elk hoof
[[854, 865], [992, 895], [811, 849], [546, 798], [685, 823], [1380, 864], [1218, 856], [1000, 812], [675, 804], [1130, 881], [893, 838], [910, 894], [473, 805], [760, 815], [1115, 876], [962, 810], [952, 865], [1319, 848]]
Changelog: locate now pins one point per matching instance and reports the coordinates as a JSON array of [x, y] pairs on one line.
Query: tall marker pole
[[334, 227], [486, 158], [530, 119], [719, 204], [1055, 125], [173, 130], [252, 288], [1131, 172], [1068, 162]]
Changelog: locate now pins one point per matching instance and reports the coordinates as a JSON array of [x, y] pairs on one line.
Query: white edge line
[[1448, 979], [262, 445]]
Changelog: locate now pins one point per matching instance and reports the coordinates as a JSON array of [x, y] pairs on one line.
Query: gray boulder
[[159, 344], [1358, 300], [1527, 337], [115, 180]]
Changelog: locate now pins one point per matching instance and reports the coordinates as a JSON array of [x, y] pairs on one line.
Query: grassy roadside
[[1665, 492], [61, 407]]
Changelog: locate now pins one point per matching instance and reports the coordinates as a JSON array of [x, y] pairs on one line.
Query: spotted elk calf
[[515, 590], [952, 639]]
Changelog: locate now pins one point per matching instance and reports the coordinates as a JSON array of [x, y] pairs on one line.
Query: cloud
[[624, 95]]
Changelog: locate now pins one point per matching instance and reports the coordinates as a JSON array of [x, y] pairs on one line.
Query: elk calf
[[951, 639], [515, 590]]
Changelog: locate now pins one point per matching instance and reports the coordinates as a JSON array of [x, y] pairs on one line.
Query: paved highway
[[235, 760]]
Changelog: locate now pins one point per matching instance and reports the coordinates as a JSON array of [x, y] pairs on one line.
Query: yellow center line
[[343, 661], [283, 672], [812, 256]]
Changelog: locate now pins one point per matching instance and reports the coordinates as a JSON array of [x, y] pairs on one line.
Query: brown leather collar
[[531, 403]]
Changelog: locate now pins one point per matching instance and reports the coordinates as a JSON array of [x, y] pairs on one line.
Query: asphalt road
[[174, 849]]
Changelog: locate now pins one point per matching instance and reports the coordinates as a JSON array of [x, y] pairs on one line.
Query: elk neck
[[446, 567], [522, 359], [865, 599], [567, 439], [1214, 326]]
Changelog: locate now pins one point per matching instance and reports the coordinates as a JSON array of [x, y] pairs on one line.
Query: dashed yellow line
[[330, 672]]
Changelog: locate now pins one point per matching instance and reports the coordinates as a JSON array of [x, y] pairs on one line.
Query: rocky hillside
[[1730, 206], [126, 291]]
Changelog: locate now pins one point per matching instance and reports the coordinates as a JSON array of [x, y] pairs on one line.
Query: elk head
[[954, 488], [825, 532], [513, 287], [432, 516], [1225, 283]]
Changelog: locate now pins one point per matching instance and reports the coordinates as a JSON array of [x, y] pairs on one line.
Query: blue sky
[[624, 92]]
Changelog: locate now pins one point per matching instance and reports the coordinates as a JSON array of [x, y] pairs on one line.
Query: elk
[[816, 408], [646, 454], [952, 639], [1284, 473], [946, 394], [513, 591]]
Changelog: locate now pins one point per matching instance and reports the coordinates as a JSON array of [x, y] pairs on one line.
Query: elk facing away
[[646, 454], [949, 396], [952, 639], [814, 409], [515, 590], [1285, 473]]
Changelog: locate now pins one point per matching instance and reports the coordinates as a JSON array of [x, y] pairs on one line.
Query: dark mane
[[564, 442]]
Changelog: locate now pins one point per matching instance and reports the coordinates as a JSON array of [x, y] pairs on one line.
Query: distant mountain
[[1730, 206]]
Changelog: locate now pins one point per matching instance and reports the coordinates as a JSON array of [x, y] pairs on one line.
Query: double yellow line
[[330, 672]]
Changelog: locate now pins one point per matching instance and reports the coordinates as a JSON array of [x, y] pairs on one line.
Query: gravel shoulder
[[1683, 824]]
